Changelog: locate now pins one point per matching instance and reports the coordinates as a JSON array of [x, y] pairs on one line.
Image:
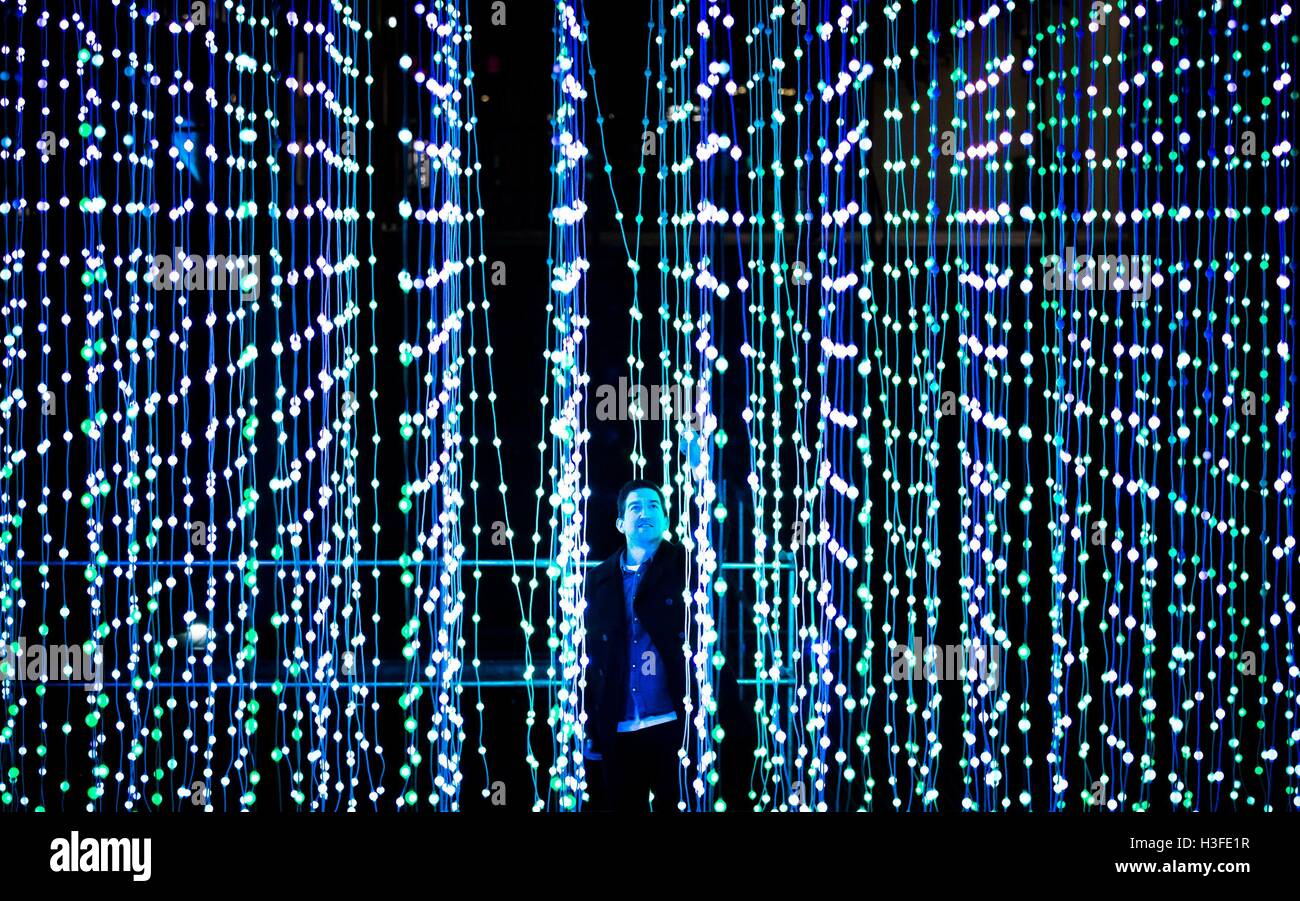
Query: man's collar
[[622, 558]]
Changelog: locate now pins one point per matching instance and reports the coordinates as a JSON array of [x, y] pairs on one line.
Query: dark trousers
[[641, 762]]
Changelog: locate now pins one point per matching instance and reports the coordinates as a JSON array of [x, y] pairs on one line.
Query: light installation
[[979, 325]]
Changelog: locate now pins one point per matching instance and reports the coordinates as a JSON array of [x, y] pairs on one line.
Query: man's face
[[643, 520]]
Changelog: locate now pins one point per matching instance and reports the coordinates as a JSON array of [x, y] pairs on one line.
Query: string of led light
[[566, 397]]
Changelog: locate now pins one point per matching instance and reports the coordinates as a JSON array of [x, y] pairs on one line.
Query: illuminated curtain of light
[[872, 306]]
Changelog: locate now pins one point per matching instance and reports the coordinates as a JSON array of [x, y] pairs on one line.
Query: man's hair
[[635, 485]]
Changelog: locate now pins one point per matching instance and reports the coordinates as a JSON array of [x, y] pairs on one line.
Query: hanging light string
[[433, 494], [761, 85], [16, 217], [567, 385], [832, 137], [649, 148], [502, 534], [692, 414]]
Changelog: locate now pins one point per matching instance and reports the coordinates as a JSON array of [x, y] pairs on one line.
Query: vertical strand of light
[[931, 360], [15, 217], [433, 497], [363, 664], [650, 139], [479, 307], [688, 410], [1063, 319], [338, 493], [566, 397], [96, 296], [864, 308], [983, 346], [792, 311], [1277, 541], [241, 215], [297, 587], [826, 560], [140, 387], [316, 467], [770, 657], [880, 316], [892, 308], [51, 144], [1070, 395]]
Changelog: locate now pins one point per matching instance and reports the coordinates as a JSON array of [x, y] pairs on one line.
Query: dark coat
[[661, 610]]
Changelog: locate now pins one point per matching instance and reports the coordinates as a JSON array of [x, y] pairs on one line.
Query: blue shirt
[[648, 701]]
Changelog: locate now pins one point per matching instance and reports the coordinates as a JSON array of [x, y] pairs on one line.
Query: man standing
[[635, 675]]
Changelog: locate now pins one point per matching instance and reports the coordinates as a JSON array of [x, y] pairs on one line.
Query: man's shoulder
[[673, 549], [670, 552], [607, 567], [612, 565]]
